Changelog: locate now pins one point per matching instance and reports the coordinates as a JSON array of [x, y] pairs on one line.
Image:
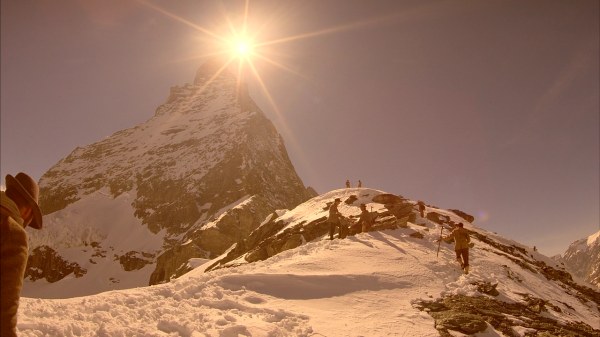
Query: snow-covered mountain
[[582, 258], [133, 208], [288, 279]]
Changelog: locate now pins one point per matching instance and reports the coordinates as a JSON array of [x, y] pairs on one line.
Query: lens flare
[[242, 48]]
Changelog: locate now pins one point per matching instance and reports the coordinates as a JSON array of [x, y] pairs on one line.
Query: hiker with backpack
[[461, 245]]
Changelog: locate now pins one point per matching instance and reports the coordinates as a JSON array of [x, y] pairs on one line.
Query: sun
[[242, 48]]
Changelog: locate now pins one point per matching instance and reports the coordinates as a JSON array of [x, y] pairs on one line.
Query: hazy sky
[[491, 107]]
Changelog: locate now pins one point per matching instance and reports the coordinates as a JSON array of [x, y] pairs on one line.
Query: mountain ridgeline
[[203, 172]]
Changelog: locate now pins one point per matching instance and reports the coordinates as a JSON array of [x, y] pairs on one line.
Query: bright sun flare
[[242, 44], [243, 48]]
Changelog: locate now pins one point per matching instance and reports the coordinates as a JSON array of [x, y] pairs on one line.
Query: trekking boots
[[462, 266]]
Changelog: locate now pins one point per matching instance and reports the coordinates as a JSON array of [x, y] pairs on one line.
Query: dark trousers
[[462, 255], [332, 226]]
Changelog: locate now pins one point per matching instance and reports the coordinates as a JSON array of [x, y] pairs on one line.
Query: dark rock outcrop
[[469, 315], [45, 263], [463, 215], [135, 260]]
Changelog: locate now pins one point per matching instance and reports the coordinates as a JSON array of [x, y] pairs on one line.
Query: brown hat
[[337, 199], [28, 189]]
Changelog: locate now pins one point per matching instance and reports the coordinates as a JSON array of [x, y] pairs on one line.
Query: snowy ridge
[[370, 284], [592, 239], [70, 228], [95, 240]]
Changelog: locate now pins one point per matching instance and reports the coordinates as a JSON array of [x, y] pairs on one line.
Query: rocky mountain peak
[[213, 69], [204, 170]]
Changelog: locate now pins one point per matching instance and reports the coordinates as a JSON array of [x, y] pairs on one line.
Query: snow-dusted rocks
[[205, 170]]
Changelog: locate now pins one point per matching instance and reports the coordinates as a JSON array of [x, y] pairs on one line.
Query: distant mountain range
[[582, 258]]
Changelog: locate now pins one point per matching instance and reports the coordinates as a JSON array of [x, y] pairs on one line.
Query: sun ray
[[246, 10], [180, 19], [239, 76], [337, 29], [279, 65], [280, 117], [201, 56], [217, 73]]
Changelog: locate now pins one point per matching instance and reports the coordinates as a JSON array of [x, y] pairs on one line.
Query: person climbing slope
[[461, 245]]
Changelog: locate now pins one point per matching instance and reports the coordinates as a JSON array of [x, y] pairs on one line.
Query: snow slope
[[73, 233], [365, 285]]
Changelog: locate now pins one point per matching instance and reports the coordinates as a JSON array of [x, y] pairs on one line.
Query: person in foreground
[[18, 209], [461, 245]]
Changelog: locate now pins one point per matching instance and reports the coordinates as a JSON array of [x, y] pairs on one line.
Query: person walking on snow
[[347, 183], [334, 219], [18, 209], [461, 245]]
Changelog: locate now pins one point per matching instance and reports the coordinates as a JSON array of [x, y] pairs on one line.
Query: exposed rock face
[[135, 260], [207, 150], [469, 315], [45, 263], [463, 215], [233, 226], [582, 258], [268, 240]]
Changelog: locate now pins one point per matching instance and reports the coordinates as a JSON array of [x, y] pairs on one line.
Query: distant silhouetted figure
[[359, 183], [347, 183], [421, 206]]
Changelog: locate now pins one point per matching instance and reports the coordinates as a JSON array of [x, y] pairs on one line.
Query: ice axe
[[440, 240]]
